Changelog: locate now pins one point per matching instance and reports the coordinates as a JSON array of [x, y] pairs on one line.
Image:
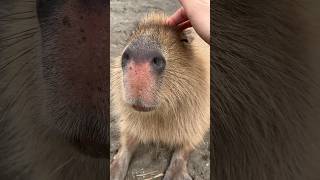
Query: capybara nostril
[[158, 64]]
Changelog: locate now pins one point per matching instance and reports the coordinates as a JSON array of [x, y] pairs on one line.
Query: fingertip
[[168, 21], [184, 25], [178, 17]]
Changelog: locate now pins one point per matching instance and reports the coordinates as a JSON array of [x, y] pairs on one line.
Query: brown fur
[[182, 118], [54, 108], [264, 121]]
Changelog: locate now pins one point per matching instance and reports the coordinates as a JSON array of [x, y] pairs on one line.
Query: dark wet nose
[[140, 56]]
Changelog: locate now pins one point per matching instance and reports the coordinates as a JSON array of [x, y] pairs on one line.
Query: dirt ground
[[148, 159]]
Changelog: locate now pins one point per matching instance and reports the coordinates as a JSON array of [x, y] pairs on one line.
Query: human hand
[[193, 13]]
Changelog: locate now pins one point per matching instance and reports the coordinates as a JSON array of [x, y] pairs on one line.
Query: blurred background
[[124, 16]]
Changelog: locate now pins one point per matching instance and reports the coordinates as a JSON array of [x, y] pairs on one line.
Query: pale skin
[[193, 13]]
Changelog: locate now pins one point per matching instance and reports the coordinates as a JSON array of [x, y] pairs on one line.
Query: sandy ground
[[148, 159]]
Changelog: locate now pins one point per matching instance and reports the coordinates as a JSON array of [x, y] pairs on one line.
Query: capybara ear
[[187, 35]]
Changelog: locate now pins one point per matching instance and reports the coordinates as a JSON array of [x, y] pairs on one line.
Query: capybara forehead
[[144, 42], [154, 28], [156, 34]]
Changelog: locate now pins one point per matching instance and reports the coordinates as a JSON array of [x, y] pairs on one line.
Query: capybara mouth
[[142, 108]]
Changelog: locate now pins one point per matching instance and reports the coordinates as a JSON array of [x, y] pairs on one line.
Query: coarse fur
[[33, 146], [182, 117], [261, 91]]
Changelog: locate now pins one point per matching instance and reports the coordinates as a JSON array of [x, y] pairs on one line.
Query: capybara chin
[[160, 89]]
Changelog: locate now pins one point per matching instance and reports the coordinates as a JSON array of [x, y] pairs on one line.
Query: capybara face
[[154, 63]]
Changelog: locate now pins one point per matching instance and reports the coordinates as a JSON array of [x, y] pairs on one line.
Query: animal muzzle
[[140, 86]]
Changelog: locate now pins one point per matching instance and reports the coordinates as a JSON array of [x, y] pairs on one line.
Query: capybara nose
[[153, 57]]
